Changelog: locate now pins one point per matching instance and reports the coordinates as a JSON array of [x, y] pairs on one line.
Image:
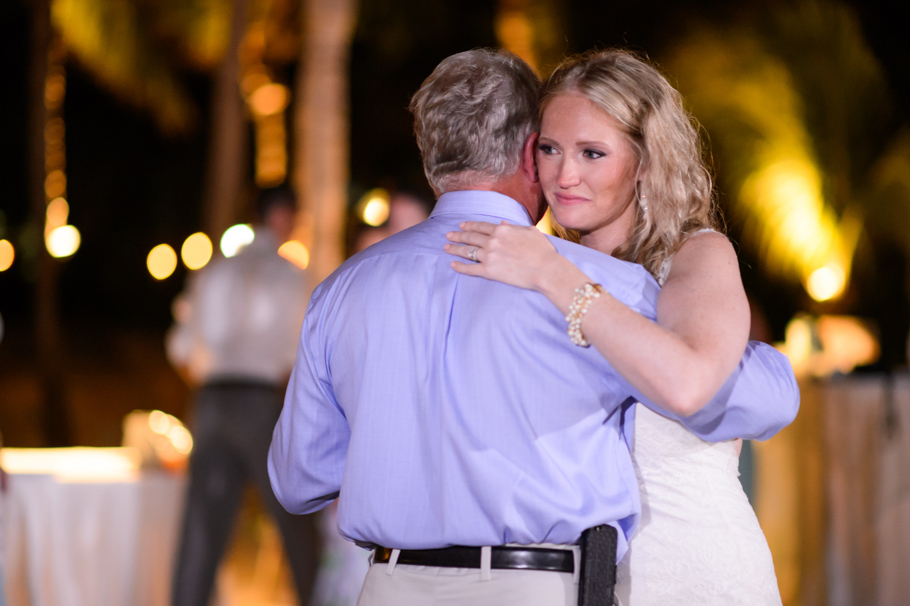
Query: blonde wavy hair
[[673, 176]]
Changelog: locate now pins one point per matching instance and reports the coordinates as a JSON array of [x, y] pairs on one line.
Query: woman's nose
[[568, 174]]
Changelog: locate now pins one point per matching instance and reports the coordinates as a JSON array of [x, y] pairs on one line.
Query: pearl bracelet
[[578, 309]]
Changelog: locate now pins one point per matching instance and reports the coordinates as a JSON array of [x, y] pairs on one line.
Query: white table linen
[[86, 527]]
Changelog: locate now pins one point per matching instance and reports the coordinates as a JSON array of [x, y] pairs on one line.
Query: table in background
[[86, 527]]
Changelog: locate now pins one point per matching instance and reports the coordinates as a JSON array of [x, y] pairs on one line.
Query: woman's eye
[[593, 154], [546, 149]]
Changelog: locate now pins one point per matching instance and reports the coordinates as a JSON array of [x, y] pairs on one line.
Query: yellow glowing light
[[254, 79], [63, 241], [54, 89], [269, 99], [181, 438], [54, 131], [58, 212], [295, 252], [373, 207], [196, 251], [235, 238], [826, 283], [159, 422], [271, 153], [516, 34], [55, 184], [161, 262], [827, 344], [7, 254]]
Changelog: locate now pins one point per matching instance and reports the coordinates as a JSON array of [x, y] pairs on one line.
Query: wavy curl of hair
[[472, 116], [673, 175]]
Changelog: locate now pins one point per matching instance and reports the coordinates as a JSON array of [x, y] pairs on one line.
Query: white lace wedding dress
[[698, 541]]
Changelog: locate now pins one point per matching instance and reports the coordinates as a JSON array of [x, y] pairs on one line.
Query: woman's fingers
[[481, 227], [467, 237], [469, 269]]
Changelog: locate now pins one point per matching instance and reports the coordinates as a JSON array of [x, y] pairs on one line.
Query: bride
[[620, 164]]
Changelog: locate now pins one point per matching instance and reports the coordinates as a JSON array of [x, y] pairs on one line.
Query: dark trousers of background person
[[232, 429]]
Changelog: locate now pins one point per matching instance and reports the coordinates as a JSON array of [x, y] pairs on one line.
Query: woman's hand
[[514, 254]]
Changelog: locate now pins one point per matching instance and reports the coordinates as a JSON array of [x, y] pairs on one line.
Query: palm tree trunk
[[55, 421], [225, 174], [321, 128]]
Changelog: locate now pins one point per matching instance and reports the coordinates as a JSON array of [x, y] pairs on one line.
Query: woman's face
[[587, 170]]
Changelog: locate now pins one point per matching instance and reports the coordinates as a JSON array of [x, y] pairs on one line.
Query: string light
[[196, 251], [295, 252], [60, 239], [267, 101], [161, 261], [235, 238], [7, 255], [63, 241]]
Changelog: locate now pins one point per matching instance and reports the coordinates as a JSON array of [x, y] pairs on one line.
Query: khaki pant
[[407, 585]]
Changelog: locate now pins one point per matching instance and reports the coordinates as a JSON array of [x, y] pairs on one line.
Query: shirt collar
[[478, 202]]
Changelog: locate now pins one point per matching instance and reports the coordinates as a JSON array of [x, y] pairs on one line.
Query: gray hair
[[472, 116]]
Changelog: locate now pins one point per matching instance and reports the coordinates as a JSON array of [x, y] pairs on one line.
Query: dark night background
[[130, 187]]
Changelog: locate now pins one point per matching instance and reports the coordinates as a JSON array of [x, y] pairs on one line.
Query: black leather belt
[[523, 558]]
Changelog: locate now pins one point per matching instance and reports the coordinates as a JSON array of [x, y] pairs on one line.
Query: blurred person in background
[[234, 339], [406, 210]]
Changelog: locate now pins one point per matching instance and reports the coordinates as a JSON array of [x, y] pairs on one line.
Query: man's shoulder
[[396, 254]]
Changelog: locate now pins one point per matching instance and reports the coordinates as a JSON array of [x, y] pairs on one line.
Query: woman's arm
[[678, 363]]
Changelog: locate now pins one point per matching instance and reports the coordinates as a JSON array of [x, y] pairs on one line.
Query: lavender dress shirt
[[451, 410]]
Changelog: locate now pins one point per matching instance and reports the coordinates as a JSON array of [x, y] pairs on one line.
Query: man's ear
[[529, 157]]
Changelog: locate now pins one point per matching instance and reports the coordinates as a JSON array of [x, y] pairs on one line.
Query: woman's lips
[[569, 200]]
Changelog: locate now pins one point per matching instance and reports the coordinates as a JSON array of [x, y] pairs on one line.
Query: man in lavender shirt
[[469, 442]]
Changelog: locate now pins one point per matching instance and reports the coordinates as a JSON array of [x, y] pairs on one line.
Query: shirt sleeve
[[310, 441], [759, 399]]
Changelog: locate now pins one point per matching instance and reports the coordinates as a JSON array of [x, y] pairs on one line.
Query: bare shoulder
[[704, 253], [703, 299]]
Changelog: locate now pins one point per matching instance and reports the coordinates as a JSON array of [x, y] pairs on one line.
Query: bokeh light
[[57, 214], [63, 241], [172, 429], [826, 283], [161, 261], [55, 184], [235, 238], [752, 102], [7, 254], [196, 251], [295, 252], [269, 99], [373, 208], [824, 345]]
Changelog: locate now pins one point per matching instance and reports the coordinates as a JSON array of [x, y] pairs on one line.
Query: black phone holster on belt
[[598, 566]]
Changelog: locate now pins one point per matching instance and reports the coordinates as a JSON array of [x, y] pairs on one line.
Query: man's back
[[473, 420]]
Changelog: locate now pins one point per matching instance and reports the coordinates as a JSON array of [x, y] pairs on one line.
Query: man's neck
[[516, 187]]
